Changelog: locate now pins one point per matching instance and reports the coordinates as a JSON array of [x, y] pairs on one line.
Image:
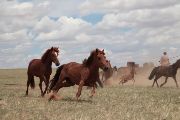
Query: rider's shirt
[[164, 60]]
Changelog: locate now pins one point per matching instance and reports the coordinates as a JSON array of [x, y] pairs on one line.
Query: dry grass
[[110, 103]]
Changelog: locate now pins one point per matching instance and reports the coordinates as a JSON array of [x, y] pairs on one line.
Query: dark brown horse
[[42, 68], [166, 71], [81, 74]]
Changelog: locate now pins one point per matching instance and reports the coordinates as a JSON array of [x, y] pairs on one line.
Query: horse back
[[75, 72], [37, 68], [165, 71]]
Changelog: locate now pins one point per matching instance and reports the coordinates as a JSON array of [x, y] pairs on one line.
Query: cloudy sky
[[128, 30]]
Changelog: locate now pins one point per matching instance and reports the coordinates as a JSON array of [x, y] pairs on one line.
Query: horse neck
[[48, 62], [94, 68], [175, 67]]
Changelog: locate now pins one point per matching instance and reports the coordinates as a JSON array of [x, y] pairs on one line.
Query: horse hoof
[[77, 99], [54, 97], [51, 97]]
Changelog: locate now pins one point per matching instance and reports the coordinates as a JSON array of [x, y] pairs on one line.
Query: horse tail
[[55, 78], [153, 73], [31, 81]]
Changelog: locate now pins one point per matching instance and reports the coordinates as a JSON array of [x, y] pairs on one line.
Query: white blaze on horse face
[[56, 54]]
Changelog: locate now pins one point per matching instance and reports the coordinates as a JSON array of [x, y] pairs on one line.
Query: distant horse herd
[[86, 73]]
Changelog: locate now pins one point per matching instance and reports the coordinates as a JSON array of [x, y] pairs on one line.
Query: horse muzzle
[[105, 68], [57, 64]]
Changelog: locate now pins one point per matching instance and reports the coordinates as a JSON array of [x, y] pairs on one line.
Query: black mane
[[90, 59], [45, 55]]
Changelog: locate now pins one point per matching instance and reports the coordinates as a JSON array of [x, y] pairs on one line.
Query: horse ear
[[103, 52], [97, 50], [51, 48]]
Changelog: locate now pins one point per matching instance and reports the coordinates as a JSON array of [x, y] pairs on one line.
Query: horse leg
[[27, 87], [164, 82], [93, 91], [64, 84], [175, 81], [79, 89], [133, 81], [29, 82], [46, 80], [40, 84], [55, 89], [155, 80], [153, 83]]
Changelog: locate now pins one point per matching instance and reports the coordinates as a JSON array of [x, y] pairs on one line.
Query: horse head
[[54, 55], [101, 60]]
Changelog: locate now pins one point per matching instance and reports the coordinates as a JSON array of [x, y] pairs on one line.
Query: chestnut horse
[[58, 72], [42, 68], [166, 71], [81, 74], [107, 74]]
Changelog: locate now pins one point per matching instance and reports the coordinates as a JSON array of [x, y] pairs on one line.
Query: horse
[[81, 74], [128, 74], [97, 77], [166, 71], [107, 74], [58, 72], [42, 68]]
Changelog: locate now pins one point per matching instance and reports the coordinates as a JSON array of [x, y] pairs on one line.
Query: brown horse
[[58, 72], [166, 71], [42, 68], [96, 77], [127, 73], [81, 74], [107, 74]]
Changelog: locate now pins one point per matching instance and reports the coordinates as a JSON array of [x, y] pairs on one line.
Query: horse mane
[[84, 61], [45, 55], [90, 59]]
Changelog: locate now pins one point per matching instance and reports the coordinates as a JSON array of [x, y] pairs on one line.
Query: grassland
[[110, 103]]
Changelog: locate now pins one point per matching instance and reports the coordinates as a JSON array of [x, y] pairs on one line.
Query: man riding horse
[[164, 61]]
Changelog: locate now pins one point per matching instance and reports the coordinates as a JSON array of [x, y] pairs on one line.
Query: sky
[[128, 30]]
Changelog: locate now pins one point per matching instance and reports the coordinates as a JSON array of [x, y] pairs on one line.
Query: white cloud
[[116, 6], [64, 27], [130, 30], [16, 36], [23, 6]]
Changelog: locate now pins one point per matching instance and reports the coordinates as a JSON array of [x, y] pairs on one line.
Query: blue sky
[[137, 30]]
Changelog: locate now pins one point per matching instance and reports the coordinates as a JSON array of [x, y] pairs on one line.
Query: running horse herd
[[85, 73]]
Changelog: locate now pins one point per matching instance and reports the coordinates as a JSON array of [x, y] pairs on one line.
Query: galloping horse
[[166, 71], [58, 72], [80, 74], [127, 73], [42, 68], [107, 74]]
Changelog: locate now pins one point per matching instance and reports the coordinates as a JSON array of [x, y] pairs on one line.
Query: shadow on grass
[[10, 84], [68, 99]]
